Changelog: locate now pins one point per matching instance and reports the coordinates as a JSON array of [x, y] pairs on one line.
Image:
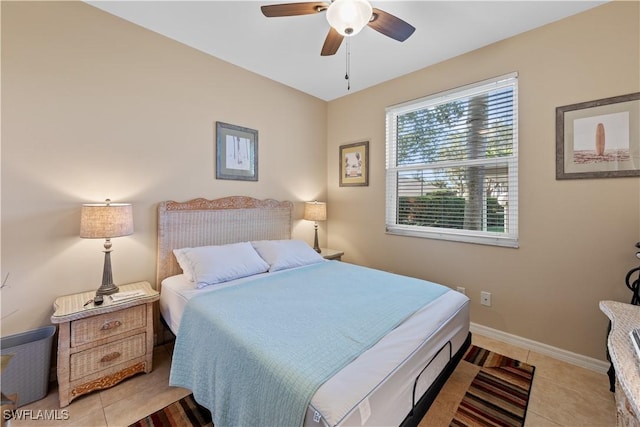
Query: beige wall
[[96, 107], [576, 236]]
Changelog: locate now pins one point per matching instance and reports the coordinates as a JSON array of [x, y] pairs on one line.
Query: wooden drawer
[[99, 346], [102, 357], [87, 330]]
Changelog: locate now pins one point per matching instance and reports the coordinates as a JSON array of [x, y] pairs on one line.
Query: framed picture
[[354, 164], [599, 139], [236, 152]]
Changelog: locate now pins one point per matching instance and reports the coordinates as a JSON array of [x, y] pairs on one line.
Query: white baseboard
[[596, 365]]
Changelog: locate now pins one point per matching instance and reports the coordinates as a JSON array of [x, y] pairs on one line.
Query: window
[[452, 165]]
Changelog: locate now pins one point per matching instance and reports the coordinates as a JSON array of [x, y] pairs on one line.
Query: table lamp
[[315, 211], [106, 221]]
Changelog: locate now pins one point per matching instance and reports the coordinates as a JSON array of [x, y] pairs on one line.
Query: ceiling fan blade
[[390, 25], [293, 9], [331, 43]]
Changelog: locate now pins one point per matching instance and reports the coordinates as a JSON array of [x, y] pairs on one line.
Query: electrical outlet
[[462, 290], [485, 298]]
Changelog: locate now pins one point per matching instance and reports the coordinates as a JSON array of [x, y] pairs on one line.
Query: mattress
[[382, 384]]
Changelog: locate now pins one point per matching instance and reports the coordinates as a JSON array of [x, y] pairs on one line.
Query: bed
[[391, 380]]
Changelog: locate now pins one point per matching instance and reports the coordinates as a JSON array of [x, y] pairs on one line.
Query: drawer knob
[[111, 356], [110, 325]]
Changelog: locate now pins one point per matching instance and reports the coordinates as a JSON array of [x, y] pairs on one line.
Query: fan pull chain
[[348, 65]]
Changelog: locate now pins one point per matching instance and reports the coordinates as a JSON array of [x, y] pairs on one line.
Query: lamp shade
[[106, 220], [348, 17], [315, 211]]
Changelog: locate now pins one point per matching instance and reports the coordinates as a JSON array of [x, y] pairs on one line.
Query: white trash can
[[28, 371]]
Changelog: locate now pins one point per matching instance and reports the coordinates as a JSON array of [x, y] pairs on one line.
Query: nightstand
[[331, 254], [100, 345], [624, 318]]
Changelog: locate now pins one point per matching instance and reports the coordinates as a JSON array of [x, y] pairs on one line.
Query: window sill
[[508, 242]]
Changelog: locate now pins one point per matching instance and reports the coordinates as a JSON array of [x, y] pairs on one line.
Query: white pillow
[[208, 265], [183, 262], [283, 254]]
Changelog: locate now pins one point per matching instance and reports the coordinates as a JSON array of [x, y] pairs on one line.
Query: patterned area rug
[[497, 396], [499, 393], [184, 413]]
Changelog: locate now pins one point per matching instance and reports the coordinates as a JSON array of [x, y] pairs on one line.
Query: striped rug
[[184, 413], [499, 393], [497, 396]]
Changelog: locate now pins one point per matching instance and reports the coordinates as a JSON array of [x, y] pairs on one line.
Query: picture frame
[[236, 152], [354, 164], [599, 139]]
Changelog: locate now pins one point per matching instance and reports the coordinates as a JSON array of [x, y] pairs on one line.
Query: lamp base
[[316, 247], [107, 290], [107, 287]]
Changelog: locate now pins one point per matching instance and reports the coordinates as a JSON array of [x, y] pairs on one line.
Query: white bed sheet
[[377, 387], [177, 290]]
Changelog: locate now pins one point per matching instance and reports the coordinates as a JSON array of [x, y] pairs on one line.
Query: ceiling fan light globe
[[348, 17]]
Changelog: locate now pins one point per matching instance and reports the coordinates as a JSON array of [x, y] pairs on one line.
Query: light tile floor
[[562, 395]]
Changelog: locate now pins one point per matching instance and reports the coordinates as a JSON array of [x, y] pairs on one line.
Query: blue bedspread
[[255, 354]]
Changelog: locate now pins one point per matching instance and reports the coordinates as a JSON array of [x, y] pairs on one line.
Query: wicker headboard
[[202, 222]]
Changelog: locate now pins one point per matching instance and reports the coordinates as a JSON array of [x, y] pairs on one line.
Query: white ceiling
[[287, 49]]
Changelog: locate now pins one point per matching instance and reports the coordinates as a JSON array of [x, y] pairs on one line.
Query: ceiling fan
[[347, 18]]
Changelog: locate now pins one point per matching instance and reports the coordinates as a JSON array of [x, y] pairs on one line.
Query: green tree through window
[[452, 165]]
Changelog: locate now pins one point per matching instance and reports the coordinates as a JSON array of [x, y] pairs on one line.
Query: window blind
[[452, 164]]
